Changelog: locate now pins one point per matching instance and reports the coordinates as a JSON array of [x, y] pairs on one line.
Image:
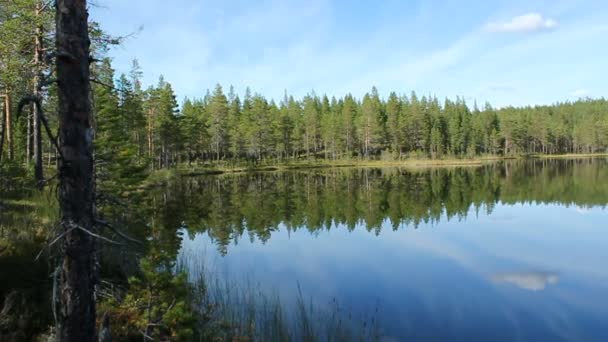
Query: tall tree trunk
[[28, 140], [37, 143], [151, 137], [50, 155], [9, 125], [3, 128], [77, 278]]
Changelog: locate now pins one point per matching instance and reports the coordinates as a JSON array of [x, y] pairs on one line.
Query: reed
[[246, 311]]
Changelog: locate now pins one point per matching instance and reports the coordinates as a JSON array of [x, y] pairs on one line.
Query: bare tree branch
[[117, 231], [72, 224]]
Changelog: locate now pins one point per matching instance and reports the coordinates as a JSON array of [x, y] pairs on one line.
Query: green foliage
[[119, 116], [225, 129], [314, 127], [371, 124], [18, 24], [14, 180], [26, 217], [156, 304]]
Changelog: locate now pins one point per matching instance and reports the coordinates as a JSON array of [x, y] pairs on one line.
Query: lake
[[504, 251]]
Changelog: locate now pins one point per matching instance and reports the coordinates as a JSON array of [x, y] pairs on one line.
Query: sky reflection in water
[[525, 271]]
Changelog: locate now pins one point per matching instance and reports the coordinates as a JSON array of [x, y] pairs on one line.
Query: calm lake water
[[509, 251]]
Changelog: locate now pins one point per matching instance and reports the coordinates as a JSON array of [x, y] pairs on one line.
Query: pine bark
[[77, 274]]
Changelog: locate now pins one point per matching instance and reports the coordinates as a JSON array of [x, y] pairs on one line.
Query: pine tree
[[347, 122], [116, 146], [194, 129], [311, 119], [218, 121], [393, 124], [236, 142], [294, 110], [418, 124], [284, 129], [165, 128], [257, 127], [328, 130]]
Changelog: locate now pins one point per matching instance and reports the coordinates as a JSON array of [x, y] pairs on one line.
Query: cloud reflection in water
[[533, 280]]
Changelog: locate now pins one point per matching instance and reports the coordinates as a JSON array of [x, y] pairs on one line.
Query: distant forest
[[148, 126], [224, 126]]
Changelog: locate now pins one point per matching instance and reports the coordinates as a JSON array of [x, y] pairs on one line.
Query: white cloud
[[526, 23], [580, 93]]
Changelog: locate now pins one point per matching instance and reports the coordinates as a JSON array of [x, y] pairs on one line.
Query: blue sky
[[505, 52]]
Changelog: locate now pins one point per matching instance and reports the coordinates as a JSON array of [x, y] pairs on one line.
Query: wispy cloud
[[526, 23], [336, 48], [501, 89], [580, 92]]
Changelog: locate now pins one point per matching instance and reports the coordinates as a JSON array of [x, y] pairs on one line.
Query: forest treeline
[[148, 128], [223, 126]]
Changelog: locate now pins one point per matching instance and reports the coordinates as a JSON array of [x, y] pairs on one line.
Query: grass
[[222, 168], [245, 311], [160, 177], [570, 155]]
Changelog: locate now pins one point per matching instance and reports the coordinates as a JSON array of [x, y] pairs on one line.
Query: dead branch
[[117, 231], [46, 5], [103, 238], [101, 83], [53, 242]]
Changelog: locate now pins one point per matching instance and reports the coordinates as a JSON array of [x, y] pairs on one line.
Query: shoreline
[[218, 169]]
